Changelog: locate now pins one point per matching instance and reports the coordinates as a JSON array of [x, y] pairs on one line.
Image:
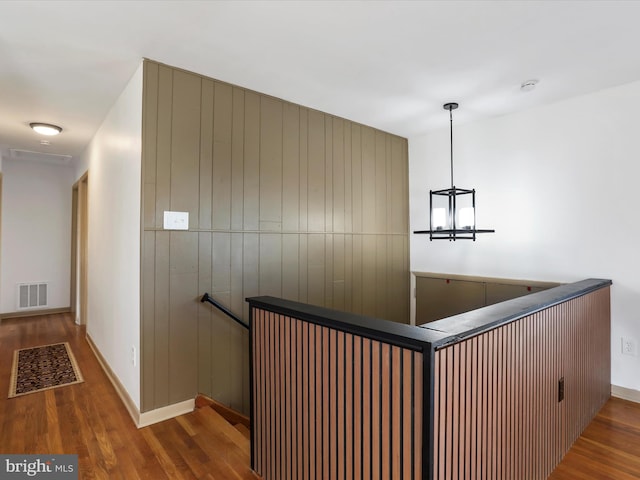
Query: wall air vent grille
[[52, 158], [32, 295]]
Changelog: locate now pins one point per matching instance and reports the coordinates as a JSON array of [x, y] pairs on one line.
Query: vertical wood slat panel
[[329, 404], [496, 408]]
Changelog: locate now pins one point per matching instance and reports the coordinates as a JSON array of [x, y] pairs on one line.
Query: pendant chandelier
[[452, 211]]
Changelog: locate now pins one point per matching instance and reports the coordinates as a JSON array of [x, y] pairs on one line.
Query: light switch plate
[[176, 220]]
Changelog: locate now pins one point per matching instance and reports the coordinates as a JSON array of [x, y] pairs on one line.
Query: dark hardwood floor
[[90, 420]]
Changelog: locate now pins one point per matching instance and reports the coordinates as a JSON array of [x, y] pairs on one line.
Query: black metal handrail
[[208, 298]]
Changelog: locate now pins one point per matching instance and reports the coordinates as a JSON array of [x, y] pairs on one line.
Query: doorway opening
[[79, 248]]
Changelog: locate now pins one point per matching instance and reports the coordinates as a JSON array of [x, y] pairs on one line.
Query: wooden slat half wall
[[283, 200], [497, 413], [330, 404]]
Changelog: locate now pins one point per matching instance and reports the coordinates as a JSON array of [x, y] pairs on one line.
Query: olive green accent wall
[[283, 200]]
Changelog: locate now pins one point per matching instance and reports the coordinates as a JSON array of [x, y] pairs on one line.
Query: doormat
[[41, 368]]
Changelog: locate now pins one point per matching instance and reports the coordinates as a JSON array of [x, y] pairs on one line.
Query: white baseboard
[[165, 413], [34, 313], [625, 393], [140, 419]]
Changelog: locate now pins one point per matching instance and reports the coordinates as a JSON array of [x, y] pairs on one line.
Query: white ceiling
[[388, 64]]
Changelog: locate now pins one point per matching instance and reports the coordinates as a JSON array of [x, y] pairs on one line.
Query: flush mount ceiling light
[[45, 128], [452, 211]]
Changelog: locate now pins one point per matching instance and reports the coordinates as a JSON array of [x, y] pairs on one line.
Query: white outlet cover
[[176, 220], [629, 346]]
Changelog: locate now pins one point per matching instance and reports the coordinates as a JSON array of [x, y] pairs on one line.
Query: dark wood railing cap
[[464, 325], [433, 334], [399, 334]]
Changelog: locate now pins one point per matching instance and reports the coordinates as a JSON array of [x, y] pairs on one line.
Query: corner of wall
[[141, 419]]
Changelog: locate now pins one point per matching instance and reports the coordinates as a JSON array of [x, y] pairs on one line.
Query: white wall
[[560, 186], [114, 160], [36, 230]]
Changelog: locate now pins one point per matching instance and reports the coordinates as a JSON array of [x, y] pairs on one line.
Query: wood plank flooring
[[90, 420], [608, 449]]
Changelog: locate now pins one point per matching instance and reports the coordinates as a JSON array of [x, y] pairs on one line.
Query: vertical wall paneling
[[381, 275], [148, 362], [150, 129], [251, 187], [271, 115], [222, 148], [370, 277], [185, 143], [497, 413], [237, 160], [291, 168], [330, 404], [357, 274], [338, 272], [316, 171], [160, 332], [283, 200], [223, 330], [183, 315], [328, 173], [205, 314], [163, 148], [304, 169], [271, 264], [338, 181], [370, 204], [328, 270], [316, 269], [380, 185], [356, 178], [290, 266], [206, 155], [250, 267]]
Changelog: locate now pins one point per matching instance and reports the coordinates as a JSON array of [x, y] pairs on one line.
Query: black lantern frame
[[453, 232]]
